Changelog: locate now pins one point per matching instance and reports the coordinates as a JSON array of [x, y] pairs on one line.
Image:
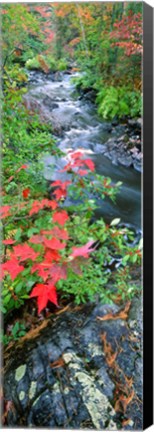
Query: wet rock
[[87, 94], [115, 121], [138, 166], [125, 160], [36, 77], [65, 380], [49, 103], [135, 123]]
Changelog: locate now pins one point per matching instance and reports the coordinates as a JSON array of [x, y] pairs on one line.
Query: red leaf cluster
[[49, 263], [60, 217], [77, 161], [39, 205], [61, 190], [12, 267], [24, 252], [128, 34]]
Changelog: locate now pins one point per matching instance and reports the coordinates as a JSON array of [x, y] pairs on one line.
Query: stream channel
[[78, 127]]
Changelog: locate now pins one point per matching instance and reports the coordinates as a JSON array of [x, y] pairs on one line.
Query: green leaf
[[18, 234], [3, 309], [7, 299], [115, 222], [134, 259], [19, 287]]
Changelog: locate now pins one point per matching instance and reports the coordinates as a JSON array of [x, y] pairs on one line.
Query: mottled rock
[[66, 381]]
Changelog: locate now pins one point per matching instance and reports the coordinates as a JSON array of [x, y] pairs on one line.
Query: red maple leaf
[[54, 244], [76, 155], [90, 164], [25, 252], [60, 217], [51, 255], [8, 242], [52, 204], [12, 267], [44, 292], [36, 207], [48, 203], [60, 193], [42, 270], [63, 185], [5, 211], [25, 193], [62, 189], [83, 250]]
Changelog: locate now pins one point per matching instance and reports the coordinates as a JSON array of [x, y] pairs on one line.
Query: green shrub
[[118, 101], [33, 64], [39, 62], [51, 62], [62, 65], [84, 81]]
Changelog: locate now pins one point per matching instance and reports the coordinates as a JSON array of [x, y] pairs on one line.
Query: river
[[81, 127]]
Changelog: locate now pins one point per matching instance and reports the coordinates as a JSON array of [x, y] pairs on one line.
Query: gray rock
[[125, 160], [65, 380], [49, 103]]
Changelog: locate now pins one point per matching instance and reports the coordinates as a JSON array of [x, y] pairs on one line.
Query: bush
[[62, 65], [119, 102], [51, 62], [33, 64], [44, 63], [84, 81]]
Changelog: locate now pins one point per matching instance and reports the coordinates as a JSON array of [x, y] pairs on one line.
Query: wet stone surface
[[61, 376]]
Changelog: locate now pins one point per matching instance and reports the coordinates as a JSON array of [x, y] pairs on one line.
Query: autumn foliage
[[48, 262]]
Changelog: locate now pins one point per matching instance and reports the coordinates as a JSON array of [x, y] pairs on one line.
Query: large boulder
[[77, 371]]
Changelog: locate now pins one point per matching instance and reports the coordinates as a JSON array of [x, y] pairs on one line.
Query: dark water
[[81, 128]]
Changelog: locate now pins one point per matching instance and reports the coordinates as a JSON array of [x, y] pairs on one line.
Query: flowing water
[[80, 127]]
